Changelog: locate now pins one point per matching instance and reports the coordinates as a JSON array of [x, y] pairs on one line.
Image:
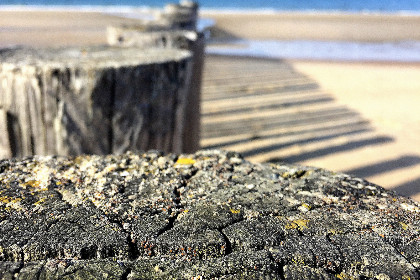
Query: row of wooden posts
[[140, 92]]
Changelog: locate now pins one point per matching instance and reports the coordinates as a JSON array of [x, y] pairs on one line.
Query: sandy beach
[[379, 142], [316, 26], [55, 28]]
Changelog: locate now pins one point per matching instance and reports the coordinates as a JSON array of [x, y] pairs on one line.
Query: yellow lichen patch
[[285, 175], [37, 185], [406, 277], [334, 231], [299, 224], [344, 276], [15, 200], [235, 211], [40, 201], [403, 226], [7, 199], [185, 161], [306, 206], [4, 199], [33, 183], [298, 260]]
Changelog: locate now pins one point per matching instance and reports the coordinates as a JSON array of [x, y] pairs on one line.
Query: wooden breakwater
[[136, 94], [174, 27], [94, 100]]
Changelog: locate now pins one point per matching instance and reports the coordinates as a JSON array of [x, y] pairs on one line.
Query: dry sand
[[317, 26], [55, 28], [384, 94], [387, 95]]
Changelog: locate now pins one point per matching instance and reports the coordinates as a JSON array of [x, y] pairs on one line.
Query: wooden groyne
[[94, 100], [174, 27]]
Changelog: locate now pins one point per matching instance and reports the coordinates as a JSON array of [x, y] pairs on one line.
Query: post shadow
[[409, 188], [337, 116], [353, 145], [309, 140], [280, 105], [386, 166], [355, 125], [281, 121]]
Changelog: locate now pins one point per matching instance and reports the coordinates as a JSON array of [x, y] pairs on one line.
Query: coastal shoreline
[[244, 24], [205, 10]]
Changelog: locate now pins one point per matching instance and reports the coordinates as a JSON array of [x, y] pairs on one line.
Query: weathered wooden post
[[208, 215], [180, 16], [94, 100], [174, 28]]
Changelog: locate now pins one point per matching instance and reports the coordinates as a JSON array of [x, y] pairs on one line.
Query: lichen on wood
[[208, 215]]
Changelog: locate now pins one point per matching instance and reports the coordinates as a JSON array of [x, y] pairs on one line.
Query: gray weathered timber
[[175, 27], [209, 215], [192, 128], [94, 100], [180, 16], [136, 36]]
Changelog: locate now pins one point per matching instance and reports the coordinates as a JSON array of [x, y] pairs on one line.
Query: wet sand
[[355, 117]]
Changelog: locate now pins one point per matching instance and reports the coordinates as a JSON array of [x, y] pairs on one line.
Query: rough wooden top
[[97, 56], [201, 216]]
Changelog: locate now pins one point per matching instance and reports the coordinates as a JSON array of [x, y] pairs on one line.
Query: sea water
[[294, 5], [407, 51]]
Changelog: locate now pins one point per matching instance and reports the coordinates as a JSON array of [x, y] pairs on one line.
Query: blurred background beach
[[332, 84]]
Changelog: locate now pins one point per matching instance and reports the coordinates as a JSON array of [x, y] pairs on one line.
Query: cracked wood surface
[[210, 214]]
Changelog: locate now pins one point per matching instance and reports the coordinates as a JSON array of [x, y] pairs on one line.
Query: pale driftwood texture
[[95, 100]]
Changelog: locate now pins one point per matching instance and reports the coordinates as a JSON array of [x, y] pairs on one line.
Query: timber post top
[[92, 100], [208, 215], [99, 56]]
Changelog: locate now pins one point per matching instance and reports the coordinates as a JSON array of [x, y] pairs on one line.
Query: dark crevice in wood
[[13, 130], [111, 113]]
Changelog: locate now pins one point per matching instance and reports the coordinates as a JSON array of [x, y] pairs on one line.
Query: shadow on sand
[[269, 112]]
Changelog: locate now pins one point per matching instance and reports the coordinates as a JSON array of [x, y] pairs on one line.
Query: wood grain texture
[[135, 36], [92, 100], [174, 27]]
